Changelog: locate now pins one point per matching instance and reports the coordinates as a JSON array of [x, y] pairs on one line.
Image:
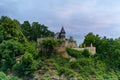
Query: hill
[[19, 55]]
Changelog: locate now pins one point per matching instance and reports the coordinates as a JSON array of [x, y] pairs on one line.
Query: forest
[[20, 59]]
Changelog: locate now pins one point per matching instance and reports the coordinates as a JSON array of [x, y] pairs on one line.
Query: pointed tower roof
[[62, 30]]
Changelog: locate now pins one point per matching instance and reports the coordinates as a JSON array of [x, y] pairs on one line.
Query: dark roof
[[62, 30]]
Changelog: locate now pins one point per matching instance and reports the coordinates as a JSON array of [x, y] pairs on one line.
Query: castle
[[68, 42], [61, 34], [61, 48]]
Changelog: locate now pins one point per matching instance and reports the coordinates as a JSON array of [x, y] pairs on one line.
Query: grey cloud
[[77, 16]]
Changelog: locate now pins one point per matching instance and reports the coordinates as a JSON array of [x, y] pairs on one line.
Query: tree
[[91, 38], [13, 45], [9, 29], [40, 31], [27, 29], [36, 30]]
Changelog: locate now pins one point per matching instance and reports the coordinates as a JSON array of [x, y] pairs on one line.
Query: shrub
[[4, 77], [47, 47], [26, 66], [9, 50], [67, 72], [86, 53], [74, 53]]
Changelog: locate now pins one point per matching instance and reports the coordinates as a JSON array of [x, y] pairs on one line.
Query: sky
[[79, 17]]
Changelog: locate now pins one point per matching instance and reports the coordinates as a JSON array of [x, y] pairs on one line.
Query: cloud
[[77, 16]]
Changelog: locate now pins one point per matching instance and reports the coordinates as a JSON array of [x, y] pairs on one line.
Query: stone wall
[[61, 48], [71, 44], [66, 43]]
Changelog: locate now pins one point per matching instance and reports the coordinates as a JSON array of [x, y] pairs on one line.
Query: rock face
[[61, 51]]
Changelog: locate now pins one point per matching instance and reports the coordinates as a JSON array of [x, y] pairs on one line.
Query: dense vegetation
[[19, 55], [108, 50], [4, 77], [36, 30]]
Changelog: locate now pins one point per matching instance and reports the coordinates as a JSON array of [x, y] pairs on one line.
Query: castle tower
[[62, 33]]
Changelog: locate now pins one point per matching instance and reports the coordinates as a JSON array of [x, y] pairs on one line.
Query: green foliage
[[85, 53], [19, 57], [107, 49], [31, 48], [14, 47], [40, 31], [74, 65], [1, 34], [91, 38], [4, 77], [26, 66], [59, 41], [26, 29], [67, 72], [74, 53], [115, 58], [47, 46], [13, 78], [36, 30], [9, 29], [9, 50], [78, 54]]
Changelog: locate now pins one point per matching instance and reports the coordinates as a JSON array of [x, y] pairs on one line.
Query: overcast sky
[[77, 16]]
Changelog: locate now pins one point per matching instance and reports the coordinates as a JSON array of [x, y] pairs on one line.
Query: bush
[[14, 78], [47, 47], [4, 77], [26, 66], [74, 65], [9, 50], [67, 72], [74, 53], [86, 53]]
